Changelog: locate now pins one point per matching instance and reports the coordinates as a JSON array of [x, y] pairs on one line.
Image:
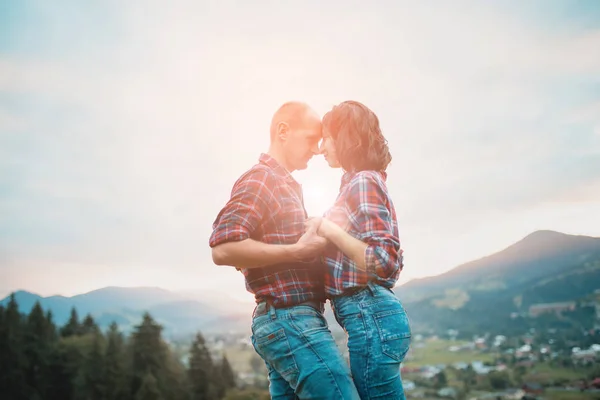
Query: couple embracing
[[292, 263]]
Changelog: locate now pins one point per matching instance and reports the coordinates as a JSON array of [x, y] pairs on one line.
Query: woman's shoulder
[[368, 176]]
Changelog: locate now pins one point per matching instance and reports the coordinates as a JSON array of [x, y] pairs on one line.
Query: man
[[261, 231]]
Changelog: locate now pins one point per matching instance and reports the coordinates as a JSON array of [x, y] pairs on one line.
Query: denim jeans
[[301, 355], [379, 337]]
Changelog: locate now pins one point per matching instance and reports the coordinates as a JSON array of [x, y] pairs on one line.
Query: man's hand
[[313, 223], [310, 244], [323, 226]]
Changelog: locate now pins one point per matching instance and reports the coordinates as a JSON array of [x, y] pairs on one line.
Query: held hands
[[323, 226], [313, 224], [315, 238], [311, 244]]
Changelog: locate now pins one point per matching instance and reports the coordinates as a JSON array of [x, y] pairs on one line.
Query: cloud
[[121, 131], [11, 122]]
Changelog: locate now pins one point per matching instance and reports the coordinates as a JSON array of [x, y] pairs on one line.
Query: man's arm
[[252, 199], [250, 253]]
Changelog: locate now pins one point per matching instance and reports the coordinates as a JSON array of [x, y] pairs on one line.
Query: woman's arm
[[346, 243], [378, 249]]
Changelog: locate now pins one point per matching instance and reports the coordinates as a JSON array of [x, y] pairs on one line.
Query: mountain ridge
[[542, 266], [551, 248], [483, 294], [126, 305]]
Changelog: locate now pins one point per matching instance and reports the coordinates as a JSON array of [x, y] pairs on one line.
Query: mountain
[[177, 312], [60, 305], [538, 255], [115, 298], [543, 267]]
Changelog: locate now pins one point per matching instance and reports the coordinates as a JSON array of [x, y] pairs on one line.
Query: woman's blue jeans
[[379, 337]]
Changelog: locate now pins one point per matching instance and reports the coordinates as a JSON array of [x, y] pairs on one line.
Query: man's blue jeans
[[378, 339], [301, 355]]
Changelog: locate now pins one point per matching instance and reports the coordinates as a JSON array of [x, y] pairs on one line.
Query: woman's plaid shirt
[[365, 210]]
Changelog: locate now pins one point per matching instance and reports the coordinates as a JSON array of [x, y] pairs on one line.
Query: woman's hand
[[324, 227], [313, 222]]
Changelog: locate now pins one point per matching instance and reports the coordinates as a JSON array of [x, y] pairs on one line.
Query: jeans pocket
[[274, 348], [307, 320], [394, 332]]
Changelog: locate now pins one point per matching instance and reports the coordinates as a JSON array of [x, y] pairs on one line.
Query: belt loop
[[371, 288], [272, 312]]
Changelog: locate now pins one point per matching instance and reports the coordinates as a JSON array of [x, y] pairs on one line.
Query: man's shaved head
[[295, 134], [294, 114]]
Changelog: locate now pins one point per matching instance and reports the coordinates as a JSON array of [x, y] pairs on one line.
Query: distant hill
[[177, 312], [538, 255], [545, 266]]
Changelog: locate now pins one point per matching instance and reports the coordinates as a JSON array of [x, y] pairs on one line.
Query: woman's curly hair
[[359, 143]]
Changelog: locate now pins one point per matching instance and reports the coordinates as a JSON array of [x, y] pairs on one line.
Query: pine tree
[[38, 347], [13, 362], [4, 349], [223, 378], [148, 354], [175, 377], [115, 365], [58, 380], [92, 370], [89, 326], [201, 371], [63, 367], [51, 327], [72, 327], [227, 374], [148, 389]]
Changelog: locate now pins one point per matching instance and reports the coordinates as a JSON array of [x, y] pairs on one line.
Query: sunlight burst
[[317, 199]]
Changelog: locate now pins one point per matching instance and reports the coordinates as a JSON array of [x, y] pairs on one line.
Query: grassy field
[[548, 373], [437, 352], [562, 395], [434, 352]]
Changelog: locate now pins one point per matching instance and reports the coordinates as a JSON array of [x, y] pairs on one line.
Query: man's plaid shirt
[[266, 205], [365, 210]]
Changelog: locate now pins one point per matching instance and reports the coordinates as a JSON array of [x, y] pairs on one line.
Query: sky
[[123, 126]]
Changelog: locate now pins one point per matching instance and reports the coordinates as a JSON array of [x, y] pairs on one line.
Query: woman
[[364, 259]]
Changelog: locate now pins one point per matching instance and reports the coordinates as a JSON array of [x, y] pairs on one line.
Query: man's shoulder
[[257, 172], [257, 175]]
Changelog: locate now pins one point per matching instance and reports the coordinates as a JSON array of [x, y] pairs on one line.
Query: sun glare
[[317, 199], [320, 186]]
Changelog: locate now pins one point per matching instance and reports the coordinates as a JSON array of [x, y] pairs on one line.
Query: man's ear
[[283, 130]]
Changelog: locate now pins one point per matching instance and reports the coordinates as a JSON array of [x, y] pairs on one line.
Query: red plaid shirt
[[266, 205], [364, 209]]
